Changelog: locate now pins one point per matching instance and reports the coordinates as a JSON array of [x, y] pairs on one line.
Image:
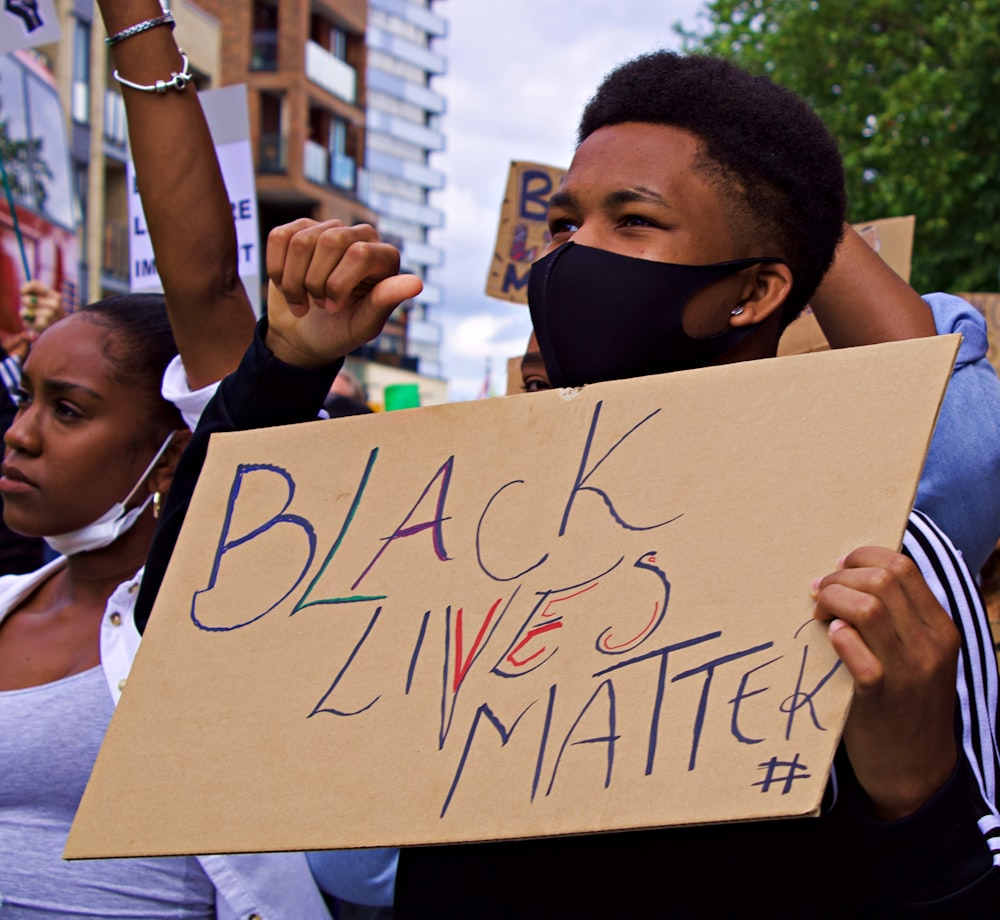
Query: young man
[[700, 212]]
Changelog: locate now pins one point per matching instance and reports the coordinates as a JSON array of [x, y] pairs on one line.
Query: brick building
[[304, 63]]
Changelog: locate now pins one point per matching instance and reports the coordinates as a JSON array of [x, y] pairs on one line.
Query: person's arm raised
[[187, 209], [331, 289]]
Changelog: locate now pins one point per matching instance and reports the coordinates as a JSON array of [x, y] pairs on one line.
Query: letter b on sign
[[533, 194]]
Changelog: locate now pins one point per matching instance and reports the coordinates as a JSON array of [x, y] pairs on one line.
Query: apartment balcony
[[342, 172], [407, 51], [326, 168], [413, 93], [423, 18], [316, 164], [423, 332], [405, 130], [397, 167], [330, 73], [80, 102], [432, 295], [115, 126], [422, 254], [402, 209]]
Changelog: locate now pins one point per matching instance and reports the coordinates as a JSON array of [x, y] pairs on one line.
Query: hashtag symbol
[[793, 770]]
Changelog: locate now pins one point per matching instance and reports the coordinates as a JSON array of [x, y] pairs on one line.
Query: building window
[[329, 36], [272, 153], [80, 102], [342, 167], [329, 151], [391, 65], [264, 39], [338, 43]]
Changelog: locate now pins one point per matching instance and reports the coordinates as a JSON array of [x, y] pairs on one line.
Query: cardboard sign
[[394, 630], [989, 306], [514, 382], [523, 230], [228, 120], [892, 239], [27, 24]]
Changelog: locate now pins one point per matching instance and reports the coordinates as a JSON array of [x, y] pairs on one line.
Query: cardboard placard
[[892, 239], [523, 230], [229, 123], [514, 383], [394, 630]]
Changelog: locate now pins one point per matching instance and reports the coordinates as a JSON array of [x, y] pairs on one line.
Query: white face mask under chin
[[110, 525]]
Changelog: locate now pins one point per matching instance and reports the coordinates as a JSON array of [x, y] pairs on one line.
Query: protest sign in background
[[27, 24], [393, 630], [523, 231], [228, 120]]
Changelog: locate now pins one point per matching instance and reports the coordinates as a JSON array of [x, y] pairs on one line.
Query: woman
[[92, 448]]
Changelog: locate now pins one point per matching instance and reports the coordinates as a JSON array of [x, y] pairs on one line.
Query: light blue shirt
[[360, 876], [960, 485]]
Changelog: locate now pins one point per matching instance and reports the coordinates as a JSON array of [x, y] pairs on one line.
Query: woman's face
[[80, 439]]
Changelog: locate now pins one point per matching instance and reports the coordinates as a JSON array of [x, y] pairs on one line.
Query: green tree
[[911, 91]]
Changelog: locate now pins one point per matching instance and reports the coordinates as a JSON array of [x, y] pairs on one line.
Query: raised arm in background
[[862, 301], [187, 209]]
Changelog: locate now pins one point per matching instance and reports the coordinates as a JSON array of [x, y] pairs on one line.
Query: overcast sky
[[519, 74]]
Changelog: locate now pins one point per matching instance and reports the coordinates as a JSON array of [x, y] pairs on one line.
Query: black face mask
[[601, 316]]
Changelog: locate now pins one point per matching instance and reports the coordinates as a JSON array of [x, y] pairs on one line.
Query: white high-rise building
[[403, 130]]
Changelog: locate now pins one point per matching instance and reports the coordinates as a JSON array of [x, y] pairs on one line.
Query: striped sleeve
[[10, 373], [946, 574]]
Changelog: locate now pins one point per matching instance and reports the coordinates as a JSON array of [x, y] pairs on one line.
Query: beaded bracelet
[[177, 80], [167, 19]]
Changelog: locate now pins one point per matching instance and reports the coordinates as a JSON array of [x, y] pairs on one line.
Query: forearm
[[862, 301], [937, 862], [186, 206]]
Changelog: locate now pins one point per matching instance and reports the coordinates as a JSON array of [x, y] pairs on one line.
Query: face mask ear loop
[[149, 469]]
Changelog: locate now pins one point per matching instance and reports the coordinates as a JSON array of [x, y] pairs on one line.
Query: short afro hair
[[774, 159]]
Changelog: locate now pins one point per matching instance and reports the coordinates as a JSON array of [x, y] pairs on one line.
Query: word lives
[[590, 656]]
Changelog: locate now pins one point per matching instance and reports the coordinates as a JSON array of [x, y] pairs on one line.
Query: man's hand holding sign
[[901, 649]]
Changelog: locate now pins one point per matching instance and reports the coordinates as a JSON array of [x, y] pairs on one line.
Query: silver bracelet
[[177, 80], [167, 19]]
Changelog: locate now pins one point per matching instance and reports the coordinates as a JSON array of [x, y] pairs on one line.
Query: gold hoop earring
[[157, 500]]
